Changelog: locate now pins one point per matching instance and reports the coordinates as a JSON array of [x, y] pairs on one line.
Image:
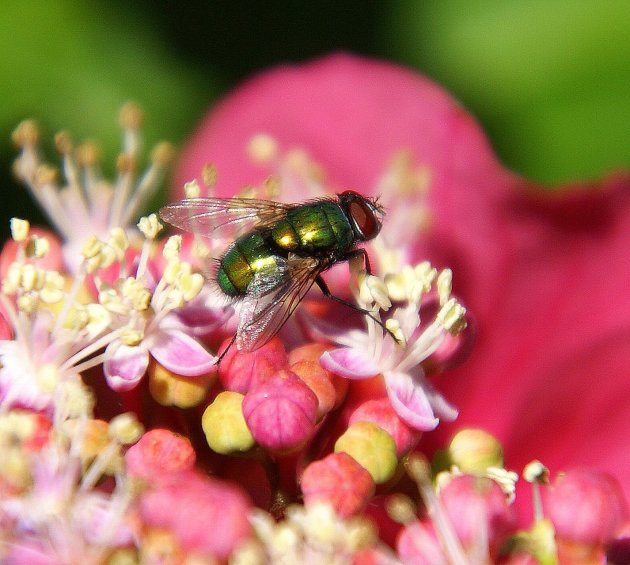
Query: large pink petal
[[182, 354], [125, 365], [410, 401], [544, 274]]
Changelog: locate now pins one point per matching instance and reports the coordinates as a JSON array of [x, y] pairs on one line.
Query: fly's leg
[[227, 348], [321, 283]]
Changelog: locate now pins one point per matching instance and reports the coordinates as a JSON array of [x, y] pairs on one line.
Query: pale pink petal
[[181, 354], [410, 401], [349, 363], [124, 365]]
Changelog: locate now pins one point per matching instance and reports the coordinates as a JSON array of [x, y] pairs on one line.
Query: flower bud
[[239, 371], [159, 452], [224, 424], [585, 507], [340, 481], [372, 447], [381, 413], [281, 411], [469, 500], [170, 389], [473, 451]]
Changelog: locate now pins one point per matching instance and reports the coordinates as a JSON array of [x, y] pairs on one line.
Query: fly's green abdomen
[[318, 227], [248, 255]]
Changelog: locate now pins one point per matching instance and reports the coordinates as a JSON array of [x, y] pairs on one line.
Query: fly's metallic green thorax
[[320, 227]]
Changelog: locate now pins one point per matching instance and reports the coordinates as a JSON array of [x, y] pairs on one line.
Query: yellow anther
[[75, 400], [13, 279], [444, 285], [131, 337], [53, 288], [162, 154], [374, 290], [426, 273], [48, 377], [175, 269], [26, 133], [131, 116], [192, 189], [92, 247], [133, 290], [172, 247], [37, 247], [88, 154], [452, 316], [19, 229], [262, 148], [536, 472], [63, 142], [125, 428], [150, 226], [31, 277], [190, 285], [98, 319], [209, 174], [109, 298], [393, 327], [118, 241]]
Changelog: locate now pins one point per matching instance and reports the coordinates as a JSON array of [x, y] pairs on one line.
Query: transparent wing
[[263, 314], [203, 216]]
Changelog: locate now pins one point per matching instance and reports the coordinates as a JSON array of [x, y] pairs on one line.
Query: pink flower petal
[[349, 363], [124, 365], [182, 354], [410, 401]]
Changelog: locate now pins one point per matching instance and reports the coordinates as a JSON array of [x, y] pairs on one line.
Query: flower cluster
[[133, 431]]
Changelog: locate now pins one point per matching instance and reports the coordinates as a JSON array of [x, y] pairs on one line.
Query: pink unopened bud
[[381, 413], [158, 454], [468, 500], [239, 371], [418, 543], [339, 480], [203, 514], [281, 411], [311, 353], [316, 377], [586, 507]]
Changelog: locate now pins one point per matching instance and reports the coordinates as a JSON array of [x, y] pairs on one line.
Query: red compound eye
[[363, 214]]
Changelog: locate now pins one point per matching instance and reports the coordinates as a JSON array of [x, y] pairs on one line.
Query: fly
[[271, 267]]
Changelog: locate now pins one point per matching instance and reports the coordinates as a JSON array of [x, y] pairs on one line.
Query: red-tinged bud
[[240, 371], [224, 424], [468, 501], [281, 411], [317, 380], [372, 447], [586, 507], [204, 515], [418, 543], [339, 480], [311, 353], [381, 413], [159, 453]]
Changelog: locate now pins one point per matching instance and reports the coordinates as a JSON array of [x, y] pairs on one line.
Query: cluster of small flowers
[[271, 456]]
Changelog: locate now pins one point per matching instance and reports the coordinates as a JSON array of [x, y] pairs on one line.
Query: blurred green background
[[549, 79]]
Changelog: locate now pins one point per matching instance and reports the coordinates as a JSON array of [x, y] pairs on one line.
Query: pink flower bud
[[159, 453], [316, 378], [586, 507], [418, 543], [381, 413], [204, 515], [311, 353], [281, 411], [339, 480], [239, 371], [469, 500]]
